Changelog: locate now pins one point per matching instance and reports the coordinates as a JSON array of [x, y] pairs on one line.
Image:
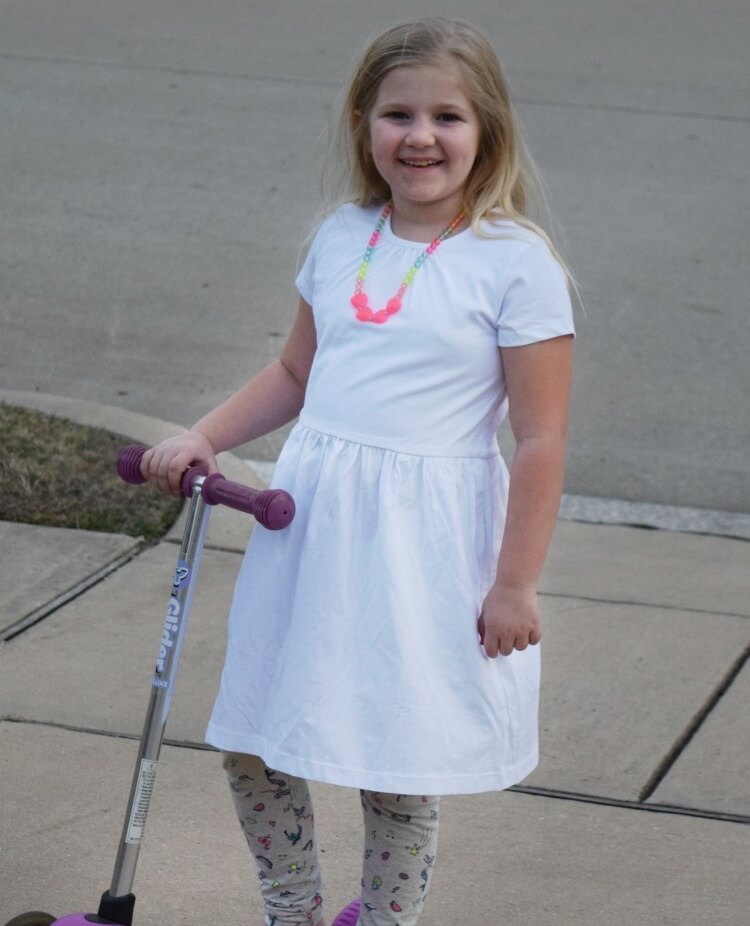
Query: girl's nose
[[420, 134]]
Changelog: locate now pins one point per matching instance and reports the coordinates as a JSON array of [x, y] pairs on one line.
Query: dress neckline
[[389, 235]]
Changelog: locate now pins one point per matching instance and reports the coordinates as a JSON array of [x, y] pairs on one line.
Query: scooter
[[274, 509]]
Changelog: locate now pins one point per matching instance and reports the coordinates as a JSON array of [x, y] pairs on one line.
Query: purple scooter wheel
[[74, 919], [349, 915]]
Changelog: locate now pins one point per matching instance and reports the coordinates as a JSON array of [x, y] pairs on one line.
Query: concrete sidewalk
[[637, 813]]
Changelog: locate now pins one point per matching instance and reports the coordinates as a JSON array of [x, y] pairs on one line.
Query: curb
[[671, 518], [141, 428], [228, 530]]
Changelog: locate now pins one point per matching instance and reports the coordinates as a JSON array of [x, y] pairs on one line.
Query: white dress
[[353, 655]]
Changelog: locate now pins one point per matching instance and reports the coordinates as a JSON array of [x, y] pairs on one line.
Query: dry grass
[[62, 474]]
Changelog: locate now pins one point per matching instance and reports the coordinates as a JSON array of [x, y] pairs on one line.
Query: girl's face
[[424, 137]]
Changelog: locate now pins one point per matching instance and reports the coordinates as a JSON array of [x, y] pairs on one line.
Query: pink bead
[[360, 301]]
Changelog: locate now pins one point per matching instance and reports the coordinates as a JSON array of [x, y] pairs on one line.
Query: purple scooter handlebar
[[273, 508]]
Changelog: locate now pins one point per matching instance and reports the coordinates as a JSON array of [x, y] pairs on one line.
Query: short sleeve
[[536, 303], [305, 281], [306, 278]]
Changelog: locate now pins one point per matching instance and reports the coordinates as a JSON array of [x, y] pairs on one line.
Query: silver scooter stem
[[170, 649]]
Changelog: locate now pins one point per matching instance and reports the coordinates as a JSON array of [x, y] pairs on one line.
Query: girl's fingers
[[161, 464], [175, 469], [504, 644], [487, 641], [165, 464], [508, 621], [160, 469], [146, 463]]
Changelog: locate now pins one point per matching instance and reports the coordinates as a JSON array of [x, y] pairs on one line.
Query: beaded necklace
[[359, 299]]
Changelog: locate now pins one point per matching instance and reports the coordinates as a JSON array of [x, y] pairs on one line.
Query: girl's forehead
[[438, 83]]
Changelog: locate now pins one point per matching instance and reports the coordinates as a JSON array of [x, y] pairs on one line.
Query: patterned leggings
[[276, 815]]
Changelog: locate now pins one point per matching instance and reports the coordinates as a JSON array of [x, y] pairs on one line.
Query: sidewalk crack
[[682, 741], [80, 588]]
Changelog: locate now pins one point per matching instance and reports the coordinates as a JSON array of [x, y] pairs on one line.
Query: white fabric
[[353, 655]]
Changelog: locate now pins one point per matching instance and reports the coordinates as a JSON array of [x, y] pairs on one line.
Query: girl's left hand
[[509, 620]]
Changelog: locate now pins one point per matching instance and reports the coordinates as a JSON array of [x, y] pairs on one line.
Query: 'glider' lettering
[[171, 625]]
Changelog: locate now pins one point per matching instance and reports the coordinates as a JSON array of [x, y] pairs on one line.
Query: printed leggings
[[276, 815]]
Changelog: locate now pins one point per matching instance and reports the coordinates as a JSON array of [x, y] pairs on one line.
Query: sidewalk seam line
[[680, 744], [641, 604], [674, 809], [576, 796], [112, 734], [548, 593], [80, 588]]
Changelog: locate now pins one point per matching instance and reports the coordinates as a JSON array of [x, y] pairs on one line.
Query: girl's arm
[[538, 377], [271, 399]]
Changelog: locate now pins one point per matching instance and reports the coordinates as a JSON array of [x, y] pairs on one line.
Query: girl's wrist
[[198, 433], [515, 585]]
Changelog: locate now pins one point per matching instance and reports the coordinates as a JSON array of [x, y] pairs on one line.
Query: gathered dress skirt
[[353, 655]]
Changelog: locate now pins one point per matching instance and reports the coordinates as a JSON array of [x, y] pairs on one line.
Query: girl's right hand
[[164, 464]]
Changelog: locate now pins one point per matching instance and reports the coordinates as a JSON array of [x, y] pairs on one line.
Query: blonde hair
[[503, 183]]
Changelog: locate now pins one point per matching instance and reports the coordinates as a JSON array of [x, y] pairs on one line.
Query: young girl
[[387, 639]]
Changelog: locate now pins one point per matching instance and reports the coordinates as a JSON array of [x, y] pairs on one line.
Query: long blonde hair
[[503, 182]]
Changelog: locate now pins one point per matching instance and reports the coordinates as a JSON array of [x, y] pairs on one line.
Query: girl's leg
[[276, 815], [400, 846]]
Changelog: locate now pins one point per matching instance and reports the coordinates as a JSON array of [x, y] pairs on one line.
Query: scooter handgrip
[[129, 464], [273, 508]]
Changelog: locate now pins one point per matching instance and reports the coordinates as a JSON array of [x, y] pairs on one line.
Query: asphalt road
[[161, 165]]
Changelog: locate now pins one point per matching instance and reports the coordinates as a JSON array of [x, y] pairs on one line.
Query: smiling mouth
[[411, 163]]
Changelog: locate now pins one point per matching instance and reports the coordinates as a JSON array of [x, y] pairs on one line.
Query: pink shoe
[[349, 915]]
